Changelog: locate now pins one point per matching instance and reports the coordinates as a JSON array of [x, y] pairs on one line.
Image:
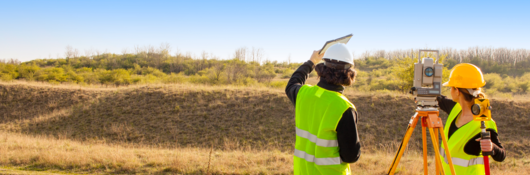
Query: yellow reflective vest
[[463, 163], [318, 112]]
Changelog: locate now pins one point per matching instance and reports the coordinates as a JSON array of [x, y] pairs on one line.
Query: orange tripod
[[429, 119]]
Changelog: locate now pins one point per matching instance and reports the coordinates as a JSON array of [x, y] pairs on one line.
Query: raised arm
[[300, 76]]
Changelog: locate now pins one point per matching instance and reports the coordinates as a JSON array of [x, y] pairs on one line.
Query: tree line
[[513, 62], [148, 65], [506, 70]]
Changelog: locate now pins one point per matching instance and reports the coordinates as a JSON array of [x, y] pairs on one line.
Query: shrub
[[8, 71], [52, 75], [246, 81], [287, 73], [28, 71], [493, 82], [510, 85], [524, 83], [5, 77], [117, 77], [277, 84], [175, 78], [266, 73], [199, 79], [149, 78]]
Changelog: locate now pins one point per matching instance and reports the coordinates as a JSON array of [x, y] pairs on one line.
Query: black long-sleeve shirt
[[347, 135], [472, 147]]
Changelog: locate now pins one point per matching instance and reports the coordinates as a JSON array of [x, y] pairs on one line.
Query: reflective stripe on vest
[[315, 139], [317, 161], [462, 162]]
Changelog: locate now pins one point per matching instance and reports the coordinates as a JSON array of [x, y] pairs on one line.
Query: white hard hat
[[339, 52]]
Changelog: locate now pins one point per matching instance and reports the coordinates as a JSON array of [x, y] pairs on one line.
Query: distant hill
[[222, 117]]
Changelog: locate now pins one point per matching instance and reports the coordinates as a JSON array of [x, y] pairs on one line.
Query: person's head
[[466, 81], [462, 95], [335, 72], [338, 66]]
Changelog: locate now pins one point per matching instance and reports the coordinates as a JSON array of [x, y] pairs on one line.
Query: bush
[[5, 77], [8, 71], [277, 84], [89, 77], [510, 85], [118, 77], [28, 71], [246, 81], [175, 78], [287, 73], [52, 75], [265, 73], [148, 79], [493, 82], [199, 79], [523, 87], [524, 83]]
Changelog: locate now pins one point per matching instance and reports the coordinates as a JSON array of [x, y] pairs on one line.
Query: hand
[[485, 145], [315, 57]]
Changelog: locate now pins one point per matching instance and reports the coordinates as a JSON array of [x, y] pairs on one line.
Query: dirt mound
[[222, 117], [166, 116]]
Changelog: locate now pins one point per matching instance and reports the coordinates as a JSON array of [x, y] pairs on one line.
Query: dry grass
[[31, 153], [38, 153], [171, 128]]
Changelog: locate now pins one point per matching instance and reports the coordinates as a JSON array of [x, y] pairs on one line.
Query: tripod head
[[425, 102], [427, 108]]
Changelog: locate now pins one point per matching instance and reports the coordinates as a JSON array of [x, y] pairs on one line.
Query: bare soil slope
[[222, 117]]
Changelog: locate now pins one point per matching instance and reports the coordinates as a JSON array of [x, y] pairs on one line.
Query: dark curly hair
[[335, 76]]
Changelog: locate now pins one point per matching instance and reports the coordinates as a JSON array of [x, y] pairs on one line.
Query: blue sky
[[42, 29]]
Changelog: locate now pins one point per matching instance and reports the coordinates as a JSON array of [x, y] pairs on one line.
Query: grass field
[[193, 129]]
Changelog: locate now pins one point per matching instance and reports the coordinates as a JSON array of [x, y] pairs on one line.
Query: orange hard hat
[[467, 76]]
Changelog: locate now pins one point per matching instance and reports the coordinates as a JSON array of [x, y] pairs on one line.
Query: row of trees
[[379, 70], [220, 72], [158, 58], [375, 74], [147, 65], [513, 62]]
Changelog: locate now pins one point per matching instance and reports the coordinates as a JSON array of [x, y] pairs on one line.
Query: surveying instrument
[[482, 112], [426, 87]]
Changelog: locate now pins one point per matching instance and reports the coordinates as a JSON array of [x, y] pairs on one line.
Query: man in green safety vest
[[326, 121]]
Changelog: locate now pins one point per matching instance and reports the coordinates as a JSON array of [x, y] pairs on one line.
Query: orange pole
[[435, 147], [447, 153], [425, 163], [404, 143], [437, 155]]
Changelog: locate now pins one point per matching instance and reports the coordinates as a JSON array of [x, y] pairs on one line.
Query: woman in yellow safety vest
[[462, 131], [325, 119]]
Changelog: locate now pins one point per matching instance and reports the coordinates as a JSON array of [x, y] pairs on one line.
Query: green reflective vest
[[318, 112], [462, 162]]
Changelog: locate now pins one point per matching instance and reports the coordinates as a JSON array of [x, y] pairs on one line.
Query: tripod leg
[[436, 147], [449, 160], [404, 142], [436, 151], [424, 138]]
